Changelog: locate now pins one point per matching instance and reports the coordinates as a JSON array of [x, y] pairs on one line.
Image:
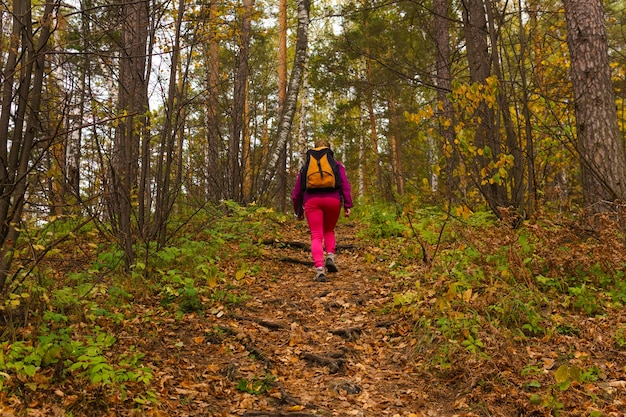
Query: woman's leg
[[315, 217], [331, 208]]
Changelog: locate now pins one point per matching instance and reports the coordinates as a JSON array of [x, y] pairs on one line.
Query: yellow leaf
[[463, 211], [296, 408], [212, 281], [240, 274], [562, 374]]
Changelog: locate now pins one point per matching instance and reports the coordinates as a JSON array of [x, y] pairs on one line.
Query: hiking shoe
[[330, 263], [320, 276]]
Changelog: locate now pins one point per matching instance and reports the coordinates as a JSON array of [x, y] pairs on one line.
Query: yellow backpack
[[320, 171]]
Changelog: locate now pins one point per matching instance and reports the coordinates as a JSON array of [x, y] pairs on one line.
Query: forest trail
[[309, 348]]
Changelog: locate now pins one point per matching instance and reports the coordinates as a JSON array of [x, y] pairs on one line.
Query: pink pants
[[322, 214]]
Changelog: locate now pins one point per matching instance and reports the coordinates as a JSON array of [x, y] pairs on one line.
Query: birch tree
[[289, 107]]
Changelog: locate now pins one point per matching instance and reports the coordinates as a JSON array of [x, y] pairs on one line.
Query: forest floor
[[313, 348], [302, 348], [279, 344]]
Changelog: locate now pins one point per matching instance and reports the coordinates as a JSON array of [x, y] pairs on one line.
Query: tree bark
[[285, 120], [441, 29], [133, 103], [214, 181], [282, 92], [475, 29], [373, 126], [602, 154], [235, 190], [24, 103], [165, 190], [513, 146], [531, 203], [394, 146]]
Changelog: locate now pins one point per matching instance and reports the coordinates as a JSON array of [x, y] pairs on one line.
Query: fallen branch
[[287, 399], [265, 323], [334, 364], [296, 261], [350, 333], [301, 245], [291, 244], [248, 344], [279, 414], [323, 294], [346, 386]]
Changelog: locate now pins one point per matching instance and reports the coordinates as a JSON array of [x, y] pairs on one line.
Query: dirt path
[[312, 348]]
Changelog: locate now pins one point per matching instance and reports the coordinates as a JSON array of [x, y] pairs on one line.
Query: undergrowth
[[475, 288], [57, 320], [481, 281]]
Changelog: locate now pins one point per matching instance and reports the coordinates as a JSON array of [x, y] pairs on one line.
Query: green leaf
[[30, 370], [52, 355], [576, 374]]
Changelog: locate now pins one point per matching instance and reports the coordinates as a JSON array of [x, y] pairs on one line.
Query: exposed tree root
[[334, 364], [265, 323], [351, 333]]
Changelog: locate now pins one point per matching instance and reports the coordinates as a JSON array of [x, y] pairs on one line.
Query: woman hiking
[[321, 189]]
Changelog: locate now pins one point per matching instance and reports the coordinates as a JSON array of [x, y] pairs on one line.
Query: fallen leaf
[[296, 408]]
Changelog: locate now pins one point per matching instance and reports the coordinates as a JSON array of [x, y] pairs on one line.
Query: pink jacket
[[344, 193]]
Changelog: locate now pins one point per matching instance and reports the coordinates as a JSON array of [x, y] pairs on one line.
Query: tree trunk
[[282, 92], [362, 154], [285, 120], [24, 104], [372, 115], [165, 190], [513, 146], [302, 144], [235, 191], [441, 28], [145, 194], [133, 102], [75, 121], [531, 203], [246, 151], [214, 184], [602, 154], [475, 29], [394, 147]]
